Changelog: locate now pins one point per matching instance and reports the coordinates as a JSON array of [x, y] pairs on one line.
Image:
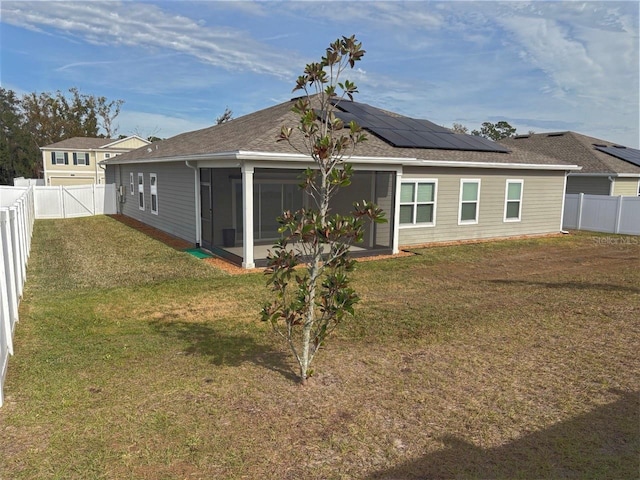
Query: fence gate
[[75, 201]]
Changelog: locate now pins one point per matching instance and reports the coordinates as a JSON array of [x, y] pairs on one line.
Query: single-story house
[[75, 161], [222, 187], [607, 168]]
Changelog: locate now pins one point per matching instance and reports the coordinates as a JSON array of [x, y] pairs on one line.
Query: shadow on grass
[[605, 287], [603, 443], [224, 347]]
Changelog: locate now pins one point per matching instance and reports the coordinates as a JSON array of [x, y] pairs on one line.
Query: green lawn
[[497, 360]]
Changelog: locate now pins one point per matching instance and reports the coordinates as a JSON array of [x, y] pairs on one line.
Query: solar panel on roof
[[409, 132], [630, 155]]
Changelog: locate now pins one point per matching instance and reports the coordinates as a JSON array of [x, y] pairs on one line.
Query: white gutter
[[510, 166], [296, 157], [196, 188], [608, 175]]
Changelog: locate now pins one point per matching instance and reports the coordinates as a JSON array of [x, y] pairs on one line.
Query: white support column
[[247, 217], [564, 201], [396, 213]]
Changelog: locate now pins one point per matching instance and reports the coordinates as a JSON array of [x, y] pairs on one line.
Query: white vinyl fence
[[19, 207], [17, 215], [600, 213], [75, 201]]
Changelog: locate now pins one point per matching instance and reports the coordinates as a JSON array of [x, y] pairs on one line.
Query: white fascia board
[[606, 175], [177, 158], [272, 159], [298, 157], [295, 160], [493, 165], [265, 160]]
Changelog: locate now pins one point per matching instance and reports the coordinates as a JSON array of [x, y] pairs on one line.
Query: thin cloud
[[148, 26]]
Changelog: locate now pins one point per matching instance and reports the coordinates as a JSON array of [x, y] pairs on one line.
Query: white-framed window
[[153, 184], [418, 202], [80, 158], [513, 200], [141, 191], [58, 158], [469, 201], [131, 184]]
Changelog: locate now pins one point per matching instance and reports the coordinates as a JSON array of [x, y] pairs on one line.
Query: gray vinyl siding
[[176, 201], [541, 207], [588, 185], [627, 187]]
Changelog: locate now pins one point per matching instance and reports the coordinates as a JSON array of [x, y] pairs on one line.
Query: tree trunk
[[314, 273]]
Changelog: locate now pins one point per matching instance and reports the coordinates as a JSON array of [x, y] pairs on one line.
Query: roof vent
[[521, 136], [619, 146], [555, 135], [599, 145]]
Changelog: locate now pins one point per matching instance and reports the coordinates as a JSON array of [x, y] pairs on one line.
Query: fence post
[[5, 310], [64, 212], [10, 271], [17, 254], [580, 200], [616, 228]]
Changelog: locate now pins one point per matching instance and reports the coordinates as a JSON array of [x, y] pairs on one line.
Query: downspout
[[610, 178], [196, 190], [564, 199]]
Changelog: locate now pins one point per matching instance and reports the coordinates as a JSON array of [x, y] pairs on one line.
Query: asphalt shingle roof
[[575, 148], [81, 143], [257, 132]]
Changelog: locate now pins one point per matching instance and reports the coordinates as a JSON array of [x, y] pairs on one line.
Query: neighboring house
[[75, 161], [222, 187], [607, 168]]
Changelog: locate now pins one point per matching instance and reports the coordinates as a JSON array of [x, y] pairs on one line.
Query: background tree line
[[35, 120], [492, 131]]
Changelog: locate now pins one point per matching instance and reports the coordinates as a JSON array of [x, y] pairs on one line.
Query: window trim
[[62, 155], [507, 201], [132, 188], [475, 221], [141, 191], [415, 203], [85, 158], [153, 186]]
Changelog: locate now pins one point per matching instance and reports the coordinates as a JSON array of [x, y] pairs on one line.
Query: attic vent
[[556, 135], [599, 145], [521, 136], [619, 146]]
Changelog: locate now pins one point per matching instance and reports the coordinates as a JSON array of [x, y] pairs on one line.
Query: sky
[[542, 66]]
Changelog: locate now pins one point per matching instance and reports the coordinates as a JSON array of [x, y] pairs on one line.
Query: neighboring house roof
[[256, 133], [574, 148], [89, 143]]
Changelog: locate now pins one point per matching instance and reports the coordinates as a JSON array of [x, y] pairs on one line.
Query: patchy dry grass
[[497, 360]]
